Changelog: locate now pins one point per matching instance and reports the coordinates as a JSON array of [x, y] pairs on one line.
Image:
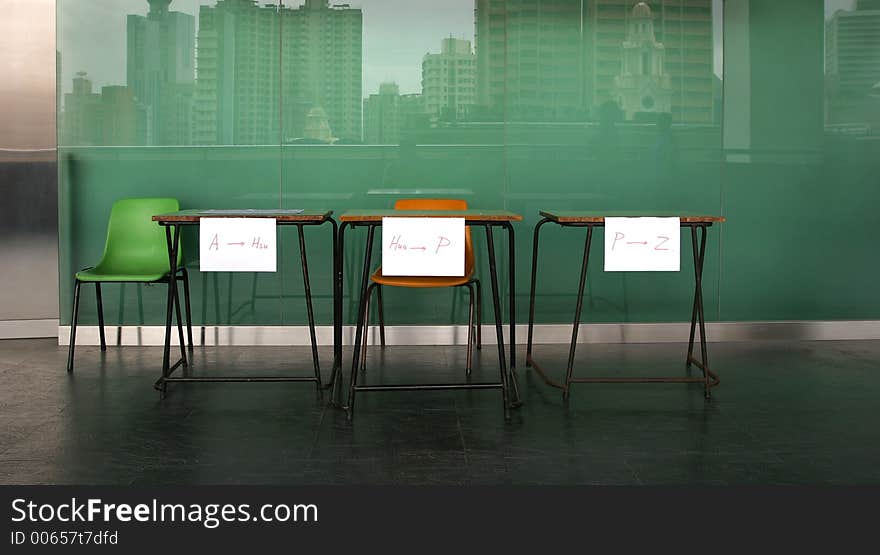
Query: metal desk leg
[[309, 311], [172, 243], [333, 374], [532, 289], [189, 332], [515, 400], [365, 278], [710, 379], [690, 353], [577, 315], [339, 256], [499, 334], [180, 338]]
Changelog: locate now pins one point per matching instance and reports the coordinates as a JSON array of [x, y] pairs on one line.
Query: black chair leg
[[72, 346], [186, 303], [479, 314], [381, 316], [100, 316], [120, 316]]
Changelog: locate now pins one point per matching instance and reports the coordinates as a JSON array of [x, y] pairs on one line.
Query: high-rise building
[[238, 74], [250, 57], [867, 5], [531, 58], [81, 119], [684, 27], [322, 60], [412, 111], [449, 80], [110, 117], [121, 121], [852, 64], [643, 86], [388, 114], [382, 116], [160, 68]]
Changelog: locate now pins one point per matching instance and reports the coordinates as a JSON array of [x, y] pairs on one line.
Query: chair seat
[[420, 281], [96, 274]]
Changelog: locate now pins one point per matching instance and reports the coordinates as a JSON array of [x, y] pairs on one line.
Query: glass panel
[[611, 105], [411, 80], [177, 99], [518, 104]]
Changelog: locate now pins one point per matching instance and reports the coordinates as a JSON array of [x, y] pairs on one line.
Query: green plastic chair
[[136, 251]]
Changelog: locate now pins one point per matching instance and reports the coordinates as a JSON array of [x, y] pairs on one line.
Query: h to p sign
[[423, 247], [237, 245], [642, 244]]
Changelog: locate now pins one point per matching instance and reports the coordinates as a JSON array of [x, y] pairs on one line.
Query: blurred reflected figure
[[665, 152], [606, 149], [404, 171]]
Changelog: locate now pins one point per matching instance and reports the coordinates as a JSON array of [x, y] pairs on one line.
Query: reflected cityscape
[[547, 61], [241, 73], [852, 68]]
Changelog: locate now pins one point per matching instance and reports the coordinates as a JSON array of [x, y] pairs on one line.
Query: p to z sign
[[642, 244], [423, 246]]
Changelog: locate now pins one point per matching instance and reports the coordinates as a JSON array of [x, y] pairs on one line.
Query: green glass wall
[[764, 111]]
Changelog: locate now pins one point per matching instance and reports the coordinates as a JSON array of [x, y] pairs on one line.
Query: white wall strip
[[457, 335]]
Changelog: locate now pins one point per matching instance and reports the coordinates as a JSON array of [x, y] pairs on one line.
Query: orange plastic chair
[[377, 280]]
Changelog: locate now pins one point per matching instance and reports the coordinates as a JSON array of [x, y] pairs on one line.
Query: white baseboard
[[457, 335]]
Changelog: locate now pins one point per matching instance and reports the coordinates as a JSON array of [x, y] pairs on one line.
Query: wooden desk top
[[280, 215], [585, 217], [365, 216]]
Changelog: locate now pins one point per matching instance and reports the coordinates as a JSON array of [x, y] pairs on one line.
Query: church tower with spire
[[643, 86]]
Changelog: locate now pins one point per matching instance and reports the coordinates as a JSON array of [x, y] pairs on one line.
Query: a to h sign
[[237, 245], [423, 246], [642, 244]]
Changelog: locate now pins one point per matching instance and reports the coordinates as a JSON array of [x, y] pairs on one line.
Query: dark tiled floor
[[785, 413]]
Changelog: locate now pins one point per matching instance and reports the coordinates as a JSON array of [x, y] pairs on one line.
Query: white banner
[[642, 244], [237, 245], [423, 246]]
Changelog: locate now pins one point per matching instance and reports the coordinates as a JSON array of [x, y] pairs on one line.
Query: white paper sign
[[237, 245], [642, 244], [423, 246]]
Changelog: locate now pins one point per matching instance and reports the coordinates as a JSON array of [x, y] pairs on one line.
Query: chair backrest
[[135, 243], [441, 204]]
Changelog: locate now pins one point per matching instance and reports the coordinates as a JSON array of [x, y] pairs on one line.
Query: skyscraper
[[261, 65], [684, 27], [852, 64], [449, 80], [238, 74], [160, 68], [382, 116], [531, 58], [82, 109], [110, 118], [322, 59]]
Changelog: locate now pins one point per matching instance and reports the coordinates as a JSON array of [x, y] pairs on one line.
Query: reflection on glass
[[216, 76], [852, 66], [321, 61], [517, 104], [241, 72]]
